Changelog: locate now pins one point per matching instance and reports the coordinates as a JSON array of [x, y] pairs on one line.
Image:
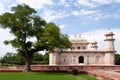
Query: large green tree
[[24, 24]]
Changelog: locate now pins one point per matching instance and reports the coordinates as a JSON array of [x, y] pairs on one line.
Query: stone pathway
[[113, 75]]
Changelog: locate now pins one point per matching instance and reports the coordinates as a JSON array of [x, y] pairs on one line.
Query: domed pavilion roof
[[94, 41], [109, 33], [78, 39]]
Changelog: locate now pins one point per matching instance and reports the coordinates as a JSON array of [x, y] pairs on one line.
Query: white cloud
[[96, 14], [62, 26], [98, 35], [103, 1], [37, 4], [117, 0], [75, 13], [94, 3], [50, 15], [86, 3], [84, 12], [103, 15], [5, 5], [64, 2], [5, 48], [116, 16], [2, 7]]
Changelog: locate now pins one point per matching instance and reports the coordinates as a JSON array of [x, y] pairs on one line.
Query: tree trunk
[[27, 67]]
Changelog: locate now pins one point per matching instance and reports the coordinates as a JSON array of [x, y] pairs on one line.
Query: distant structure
[[81, 55]]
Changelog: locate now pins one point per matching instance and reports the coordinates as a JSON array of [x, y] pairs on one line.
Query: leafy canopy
[[25, 24]]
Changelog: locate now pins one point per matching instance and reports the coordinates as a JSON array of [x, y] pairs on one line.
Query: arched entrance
[[81, 59]]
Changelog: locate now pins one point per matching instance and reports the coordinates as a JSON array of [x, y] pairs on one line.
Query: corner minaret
[[109, 41], [109, 48], [54, 57]]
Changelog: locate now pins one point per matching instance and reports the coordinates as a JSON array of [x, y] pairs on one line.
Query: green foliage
[[12, 58], [2, 61], [24, 24], [37, 58], [117, 59], [74, 71], [19, 59], [54, 38], [43, 76], [46, 58]]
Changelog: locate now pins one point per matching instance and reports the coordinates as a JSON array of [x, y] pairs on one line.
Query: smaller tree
[[46, 58], [117, 59], [7, 58], [20, 59], [2, 61], [37, 58]]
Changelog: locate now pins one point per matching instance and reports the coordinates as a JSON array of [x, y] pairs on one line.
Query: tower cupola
[[109, 41], [94, 45]]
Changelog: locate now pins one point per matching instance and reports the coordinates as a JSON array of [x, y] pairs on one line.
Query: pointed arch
[[81, 59]]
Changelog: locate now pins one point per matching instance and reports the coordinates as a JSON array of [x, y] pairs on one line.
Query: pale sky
[[90, 18]]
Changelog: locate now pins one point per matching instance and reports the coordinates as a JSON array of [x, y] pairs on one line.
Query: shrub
[[74, 71]]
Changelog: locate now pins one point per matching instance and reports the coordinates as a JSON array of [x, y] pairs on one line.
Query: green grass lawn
[[43, 76]]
